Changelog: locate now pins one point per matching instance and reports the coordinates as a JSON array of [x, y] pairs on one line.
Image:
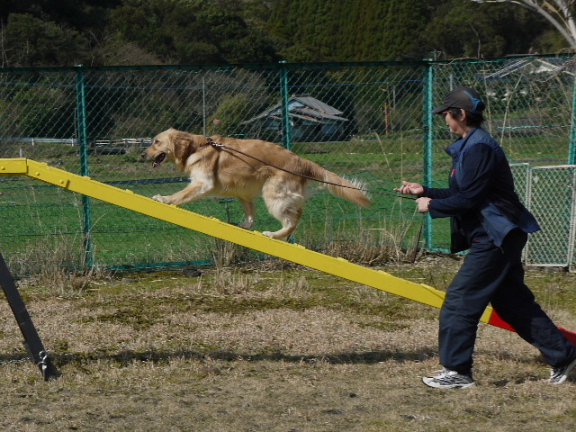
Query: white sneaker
[[559, 374], [449, 379]]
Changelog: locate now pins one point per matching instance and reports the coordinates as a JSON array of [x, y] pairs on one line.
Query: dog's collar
[[209, 143]]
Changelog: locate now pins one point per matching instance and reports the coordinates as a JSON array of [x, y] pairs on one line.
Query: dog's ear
[[184, 145]]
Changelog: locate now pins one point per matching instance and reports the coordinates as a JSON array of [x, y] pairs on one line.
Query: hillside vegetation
[[128, 32]]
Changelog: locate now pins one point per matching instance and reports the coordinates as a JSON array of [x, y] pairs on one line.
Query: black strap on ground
[[32, 340]]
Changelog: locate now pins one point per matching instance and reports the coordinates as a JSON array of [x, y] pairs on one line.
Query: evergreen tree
[[99, 32], [196, 31], [465, 29], [355, 30], [32, 42]]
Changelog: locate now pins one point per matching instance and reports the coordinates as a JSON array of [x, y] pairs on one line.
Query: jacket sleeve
[[437, 193], [477, 173]]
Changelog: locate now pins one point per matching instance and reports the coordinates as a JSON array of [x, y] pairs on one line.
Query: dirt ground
[[269, 349]]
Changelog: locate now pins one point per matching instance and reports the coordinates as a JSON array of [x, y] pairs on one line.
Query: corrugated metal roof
[[317, 114], [317, 105], [303, 106], [532, 66]]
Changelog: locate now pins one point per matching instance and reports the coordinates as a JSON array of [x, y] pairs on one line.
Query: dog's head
[[172, 145]]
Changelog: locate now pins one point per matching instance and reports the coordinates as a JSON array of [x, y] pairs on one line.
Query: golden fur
[[224, 172]]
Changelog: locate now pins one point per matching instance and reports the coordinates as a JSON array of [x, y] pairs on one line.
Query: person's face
[[457, 124]]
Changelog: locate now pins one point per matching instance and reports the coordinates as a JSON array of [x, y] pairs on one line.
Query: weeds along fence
[[367, 121]]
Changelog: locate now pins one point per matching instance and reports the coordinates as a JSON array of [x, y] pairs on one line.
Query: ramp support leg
[[32, 340]]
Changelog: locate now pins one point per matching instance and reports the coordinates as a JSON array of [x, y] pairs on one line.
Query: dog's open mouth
[[159, 159]]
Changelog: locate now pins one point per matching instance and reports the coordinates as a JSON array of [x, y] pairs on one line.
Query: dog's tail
[[338, 186]]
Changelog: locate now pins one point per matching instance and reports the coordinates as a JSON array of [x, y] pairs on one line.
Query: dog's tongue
[[159, 159]]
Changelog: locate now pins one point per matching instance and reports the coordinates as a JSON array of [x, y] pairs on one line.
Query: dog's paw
[[160, 198]]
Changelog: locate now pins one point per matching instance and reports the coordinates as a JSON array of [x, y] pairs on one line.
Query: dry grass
[[268, 349]]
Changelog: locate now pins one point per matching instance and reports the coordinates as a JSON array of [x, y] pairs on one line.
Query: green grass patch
[[38, 215]]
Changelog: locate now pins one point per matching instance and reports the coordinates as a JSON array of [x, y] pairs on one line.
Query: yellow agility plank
[[216, 228]]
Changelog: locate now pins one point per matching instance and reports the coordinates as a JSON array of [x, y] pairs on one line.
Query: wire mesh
[[552, 200], [366, 121]]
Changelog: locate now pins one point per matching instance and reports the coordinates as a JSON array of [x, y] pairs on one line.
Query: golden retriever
[[245, 169]]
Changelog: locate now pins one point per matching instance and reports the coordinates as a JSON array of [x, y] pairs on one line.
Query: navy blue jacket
[[481, 200]]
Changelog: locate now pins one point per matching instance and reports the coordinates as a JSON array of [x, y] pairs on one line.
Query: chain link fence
[[366, 121]]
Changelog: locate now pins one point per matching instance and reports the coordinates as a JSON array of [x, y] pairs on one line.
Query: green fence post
[[428, 143], [82, 133], [286, 133], [572, 151]]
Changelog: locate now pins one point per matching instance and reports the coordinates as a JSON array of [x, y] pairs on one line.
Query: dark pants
[[495, 275]]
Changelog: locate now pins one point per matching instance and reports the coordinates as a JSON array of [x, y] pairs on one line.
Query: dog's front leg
[[197, 189]]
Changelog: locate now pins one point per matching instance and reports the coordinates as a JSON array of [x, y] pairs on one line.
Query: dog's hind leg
[[288, 210], [249, 212]]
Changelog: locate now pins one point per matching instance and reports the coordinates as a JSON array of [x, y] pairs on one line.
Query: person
[[488, 219]]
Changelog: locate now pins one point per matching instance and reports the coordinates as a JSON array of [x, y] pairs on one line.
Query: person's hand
[[423, 203], [409, 188]]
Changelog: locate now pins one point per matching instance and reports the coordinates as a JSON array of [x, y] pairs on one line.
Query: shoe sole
[[431, 382]]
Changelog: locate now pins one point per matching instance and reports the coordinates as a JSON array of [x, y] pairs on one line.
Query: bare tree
[[558, 12]]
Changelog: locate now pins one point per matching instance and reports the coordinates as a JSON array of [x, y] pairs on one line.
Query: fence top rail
[[567, 166], [272, 66], [35, 140]]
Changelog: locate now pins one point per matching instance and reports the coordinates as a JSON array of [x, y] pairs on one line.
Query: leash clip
[[214, 143]]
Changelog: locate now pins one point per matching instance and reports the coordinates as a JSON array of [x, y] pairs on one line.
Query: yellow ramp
[[216, 228]]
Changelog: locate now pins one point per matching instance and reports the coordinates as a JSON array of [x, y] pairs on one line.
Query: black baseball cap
[[465, 98]]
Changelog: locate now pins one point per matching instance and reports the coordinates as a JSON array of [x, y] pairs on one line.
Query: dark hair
[[473, 119]]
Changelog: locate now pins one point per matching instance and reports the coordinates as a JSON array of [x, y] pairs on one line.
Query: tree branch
[[560, 15]]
